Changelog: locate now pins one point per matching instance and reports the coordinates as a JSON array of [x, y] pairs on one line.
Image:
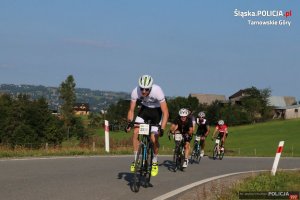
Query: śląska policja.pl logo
[[277, 16]]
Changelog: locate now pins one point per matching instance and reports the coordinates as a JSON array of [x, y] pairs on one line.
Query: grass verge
[[264, 185]]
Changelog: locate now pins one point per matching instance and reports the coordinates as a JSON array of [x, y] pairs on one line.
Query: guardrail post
[[106, 128], [46, 146], [94, 146], [277, 157]]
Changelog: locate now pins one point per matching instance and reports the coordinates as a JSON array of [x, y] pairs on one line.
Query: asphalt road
[[103, 177]]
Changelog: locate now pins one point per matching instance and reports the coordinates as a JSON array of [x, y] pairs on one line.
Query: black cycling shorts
[[187, 137], [152, 114], [221, 135], [200, 133]]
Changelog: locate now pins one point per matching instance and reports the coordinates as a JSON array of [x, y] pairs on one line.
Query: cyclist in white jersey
[[154, 107]]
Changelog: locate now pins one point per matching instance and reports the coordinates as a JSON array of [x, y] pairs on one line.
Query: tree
[[176, 104], [256, 103], [95, 120], [68, 96]]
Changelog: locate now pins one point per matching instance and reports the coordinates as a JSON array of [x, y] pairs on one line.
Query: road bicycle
[[195, 156], [179, 152], [218, 151], [143, 161]]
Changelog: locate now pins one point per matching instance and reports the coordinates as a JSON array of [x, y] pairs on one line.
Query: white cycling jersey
[[153, 100]]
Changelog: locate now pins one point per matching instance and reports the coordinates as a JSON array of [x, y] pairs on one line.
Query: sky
[[193, 46]]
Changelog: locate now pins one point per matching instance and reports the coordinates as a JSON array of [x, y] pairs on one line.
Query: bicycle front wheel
[[221, 154], [194, 154], [215, 152], [198, 153], [177, 157], [149, 165], [137, 177]]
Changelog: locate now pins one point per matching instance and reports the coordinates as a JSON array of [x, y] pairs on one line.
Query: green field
[[260, 139]]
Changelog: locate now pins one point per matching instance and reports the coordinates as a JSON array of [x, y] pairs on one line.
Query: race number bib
[[178, 137], [144, 129], [197, 138], [217, 141]]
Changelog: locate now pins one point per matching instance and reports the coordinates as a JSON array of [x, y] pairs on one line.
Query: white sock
[[135, 155], [154, 158]]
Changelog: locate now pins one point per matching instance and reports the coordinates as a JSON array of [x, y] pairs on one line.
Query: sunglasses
[[145, 89]]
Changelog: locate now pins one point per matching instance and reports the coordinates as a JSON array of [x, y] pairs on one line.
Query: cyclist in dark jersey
[[184, 125], [202, 131]]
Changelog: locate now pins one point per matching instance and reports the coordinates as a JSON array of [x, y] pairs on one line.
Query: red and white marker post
[[277, 157], [106, 129]]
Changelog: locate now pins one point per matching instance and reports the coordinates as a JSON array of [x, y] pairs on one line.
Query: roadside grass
[[259, 139], [283, 181]]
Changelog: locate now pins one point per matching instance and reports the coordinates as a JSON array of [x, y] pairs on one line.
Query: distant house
[[287, 112], [209, 98], [285, 107], [81, 109], [236, 97]]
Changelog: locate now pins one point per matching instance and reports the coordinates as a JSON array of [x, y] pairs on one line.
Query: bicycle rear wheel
[[137, 177]]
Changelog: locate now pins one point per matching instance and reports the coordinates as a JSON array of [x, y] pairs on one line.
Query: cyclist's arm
[[226, 130], [191, 131], [173, 128], [130, 114], [207, 132], [216, 130], [165, 112], [224, 136]]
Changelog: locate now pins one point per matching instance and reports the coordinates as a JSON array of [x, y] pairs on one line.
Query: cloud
[[92, 43]]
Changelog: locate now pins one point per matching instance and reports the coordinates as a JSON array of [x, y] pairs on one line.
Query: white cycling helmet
[[201, 114], [145, 81], [183, 112], [221, 122]]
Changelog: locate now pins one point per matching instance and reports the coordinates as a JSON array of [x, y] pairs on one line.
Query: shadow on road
[[170, 165], [129, 177]]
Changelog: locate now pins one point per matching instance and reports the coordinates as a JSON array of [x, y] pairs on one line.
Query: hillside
[[97, 99]]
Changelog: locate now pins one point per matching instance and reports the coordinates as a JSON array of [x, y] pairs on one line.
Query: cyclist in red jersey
[[222, 130]]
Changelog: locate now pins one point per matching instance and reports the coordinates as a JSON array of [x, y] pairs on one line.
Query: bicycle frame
[[179, 151], [196, 149], [143, 162], [217, 153]]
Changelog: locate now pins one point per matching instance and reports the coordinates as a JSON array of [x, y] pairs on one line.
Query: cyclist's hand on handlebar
[[169, 135], [128, 126], [161, 132]]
